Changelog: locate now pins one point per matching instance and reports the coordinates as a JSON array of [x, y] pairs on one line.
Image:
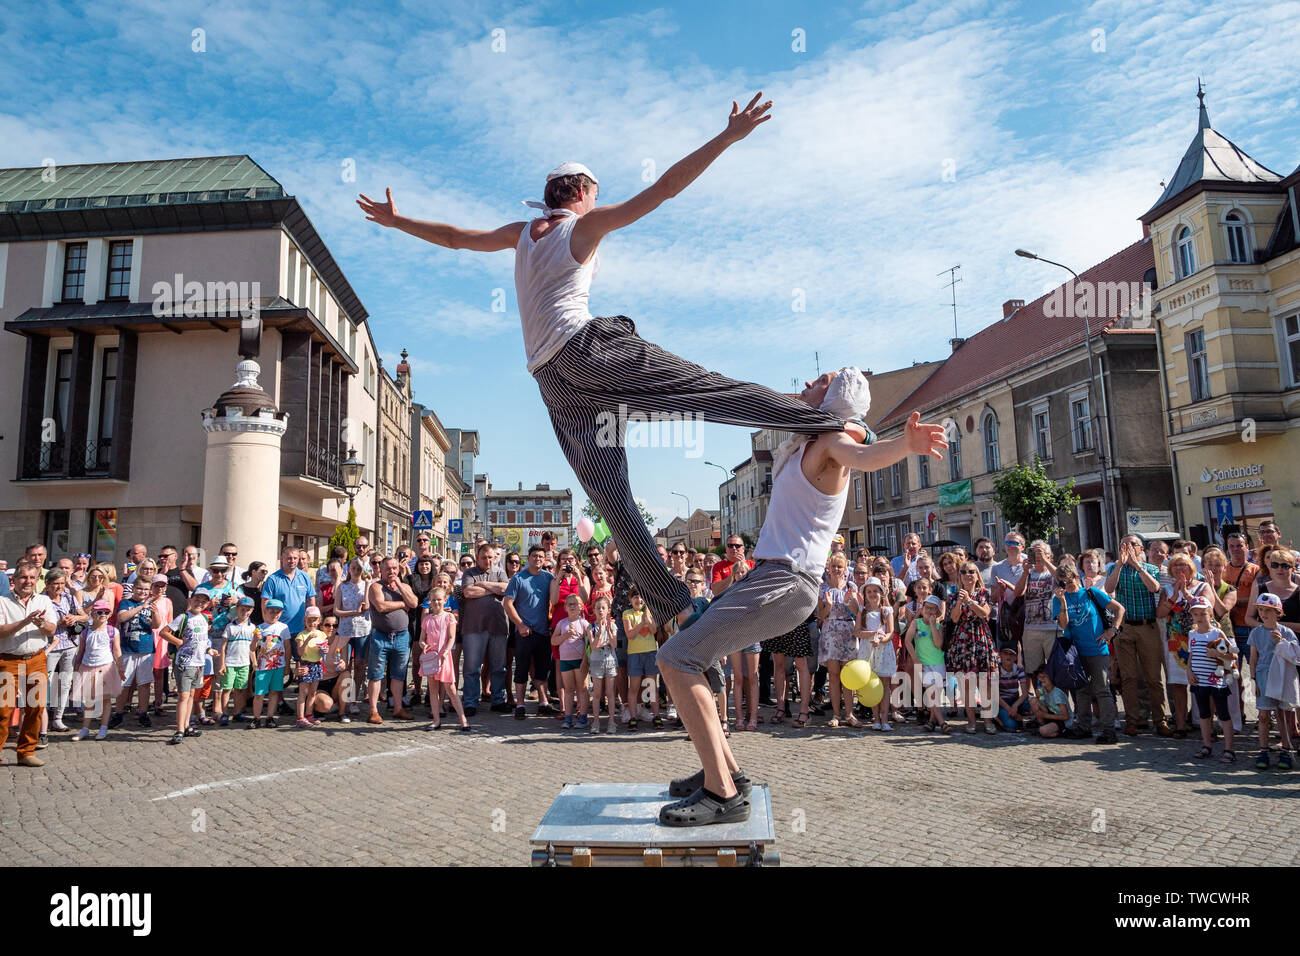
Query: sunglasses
[[1278, 566], [1011, 544], [735, 545], [329, 625], [230, 554], [97, 613], [969, 572]]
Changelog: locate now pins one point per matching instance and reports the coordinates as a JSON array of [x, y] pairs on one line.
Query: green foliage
[[1030, 501], [589, 509], [345, 535]]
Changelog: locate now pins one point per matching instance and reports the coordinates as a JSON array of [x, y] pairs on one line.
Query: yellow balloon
[[872, 694], [856, 674]]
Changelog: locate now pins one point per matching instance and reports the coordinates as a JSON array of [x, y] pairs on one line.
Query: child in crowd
[[437, 637], [1203, 659], [313, 645], [335, 688], [639, 626], [1273, 650], [875, 631], [571, 638], [1051, 708], [188, 633], [925, 646], [97, 670], [232, 665], [1013, 689], [268, 655], [602, 660]]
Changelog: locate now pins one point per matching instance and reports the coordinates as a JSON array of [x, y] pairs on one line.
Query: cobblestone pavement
[[394, 794]]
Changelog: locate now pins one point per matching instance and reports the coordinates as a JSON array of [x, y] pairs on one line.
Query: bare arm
[[440, 233], [917, 439], [379, 604], [598, 223]]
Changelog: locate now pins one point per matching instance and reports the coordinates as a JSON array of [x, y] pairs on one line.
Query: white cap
[[571, 169]]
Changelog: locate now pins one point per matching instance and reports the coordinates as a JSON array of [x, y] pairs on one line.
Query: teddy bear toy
[[1221, 650]]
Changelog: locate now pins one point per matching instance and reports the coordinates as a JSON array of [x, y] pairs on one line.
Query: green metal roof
[[152, 182]]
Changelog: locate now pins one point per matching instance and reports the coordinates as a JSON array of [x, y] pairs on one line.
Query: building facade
[[1228, 313], [123, 291], [520, 516], [393, 502], [429, 448]]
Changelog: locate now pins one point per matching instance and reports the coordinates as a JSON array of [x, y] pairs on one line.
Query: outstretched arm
[[917, 439], [439, 233], [592, 227]]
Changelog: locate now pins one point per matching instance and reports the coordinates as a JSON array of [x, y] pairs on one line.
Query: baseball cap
[[935, 600], [311, 612], [203, 593], [275, 604], [1199, 601], [1269, 600], [873, 582], [101, 606], [245, 601], [158, 579]]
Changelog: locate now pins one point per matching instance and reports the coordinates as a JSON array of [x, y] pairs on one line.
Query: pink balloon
[[585, 529]]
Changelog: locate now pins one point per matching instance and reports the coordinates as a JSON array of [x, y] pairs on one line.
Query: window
[[1291, 346], [895, 480], [1081, 423], [989, 525], [880, 485], [548, 517], [1184, 254], [889, 538], [1198, 366], [857, 492], [923, 471], [1043, 432], [954, 454], [119, 270], [510, 517], [107, 407], [74, 272], [1235, 228], [368, 454], [902, 533], [992, 460], [530, 517], [56, 539]]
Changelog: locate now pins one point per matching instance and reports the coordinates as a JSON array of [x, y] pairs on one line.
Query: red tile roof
[[1029, 336]]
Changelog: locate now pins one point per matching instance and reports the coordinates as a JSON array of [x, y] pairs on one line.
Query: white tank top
[[801, 521], [551, 288]]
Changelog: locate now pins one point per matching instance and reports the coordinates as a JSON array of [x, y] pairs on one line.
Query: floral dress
[[838, 642], [972, 650]]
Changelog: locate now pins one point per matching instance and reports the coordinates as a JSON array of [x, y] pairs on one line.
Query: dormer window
[[1184, 255], [1234, 227]]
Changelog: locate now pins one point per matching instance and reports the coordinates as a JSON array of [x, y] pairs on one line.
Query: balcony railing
[[41, 459], [323, 464]]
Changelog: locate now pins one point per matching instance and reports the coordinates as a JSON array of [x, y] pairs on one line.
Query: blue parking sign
[[456, 526]]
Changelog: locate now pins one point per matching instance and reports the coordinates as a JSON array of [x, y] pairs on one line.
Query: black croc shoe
[[685, 786], [700, 809]]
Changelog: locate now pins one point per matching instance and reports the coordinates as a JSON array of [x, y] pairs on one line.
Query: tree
[[589, 509], [1031, 501], [345, 535]]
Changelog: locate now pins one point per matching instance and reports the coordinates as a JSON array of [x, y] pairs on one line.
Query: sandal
[[800, 721], [631, 724], [658, 723], [206, 721], [726, 732], [1203, 753], [944, 728], [833, 723], [778, 717], [852, 721], [1229, 756]]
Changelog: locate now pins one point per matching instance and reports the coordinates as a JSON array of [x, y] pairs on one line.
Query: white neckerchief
[[550, 213]]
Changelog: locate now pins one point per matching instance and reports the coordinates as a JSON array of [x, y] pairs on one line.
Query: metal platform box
[[617, 824]]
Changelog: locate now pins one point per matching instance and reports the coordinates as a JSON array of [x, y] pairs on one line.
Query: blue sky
[[906, 138]]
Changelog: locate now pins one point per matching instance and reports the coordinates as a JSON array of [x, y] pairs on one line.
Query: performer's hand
[[384, 213], [742, 122], [924, 439]]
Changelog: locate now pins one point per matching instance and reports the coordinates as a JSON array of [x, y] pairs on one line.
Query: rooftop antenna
[[952, 282]]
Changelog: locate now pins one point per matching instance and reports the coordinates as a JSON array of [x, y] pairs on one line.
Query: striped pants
[[606, 372]]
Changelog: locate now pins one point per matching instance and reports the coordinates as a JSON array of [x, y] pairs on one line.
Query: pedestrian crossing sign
[[422, 520]]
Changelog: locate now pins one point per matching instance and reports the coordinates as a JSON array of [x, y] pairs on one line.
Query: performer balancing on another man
[[810, 480], [595, 372]]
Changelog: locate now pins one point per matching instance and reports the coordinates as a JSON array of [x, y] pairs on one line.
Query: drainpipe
[[1108, 459]]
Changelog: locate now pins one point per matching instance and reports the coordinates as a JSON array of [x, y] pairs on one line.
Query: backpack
[[1065, 666]]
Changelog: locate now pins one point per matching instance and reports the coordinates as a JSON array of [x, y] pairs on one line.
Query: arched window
[[1184, 254], [954, 454], [992, 460], [1234, 225]]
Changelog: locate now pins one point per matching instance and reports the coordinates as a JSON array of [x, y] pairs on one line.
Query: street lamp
[[727, 476], [688, 503], [1094, 410], [350, 469]]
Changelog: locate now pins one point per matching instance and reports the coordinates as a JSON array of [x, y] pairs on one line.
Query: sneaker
[[582, 722], [1284, 760], [567, 725], [520, 713], [144, 719], [177, 738], [272, 722], [115, 721], [82, 734], [303, 722], [1106, 737], [672, 711], [1262, 761], [471, 711], [254, 723], [626, 716], [103, 733], [224, 721], [886, 727], [58, 726], [501, 708], [42, 741], [241, 718]]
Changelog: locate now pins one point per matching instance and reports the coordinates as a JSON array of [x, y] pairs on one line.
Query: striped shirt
[[1199, 662], [1139, 603]]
